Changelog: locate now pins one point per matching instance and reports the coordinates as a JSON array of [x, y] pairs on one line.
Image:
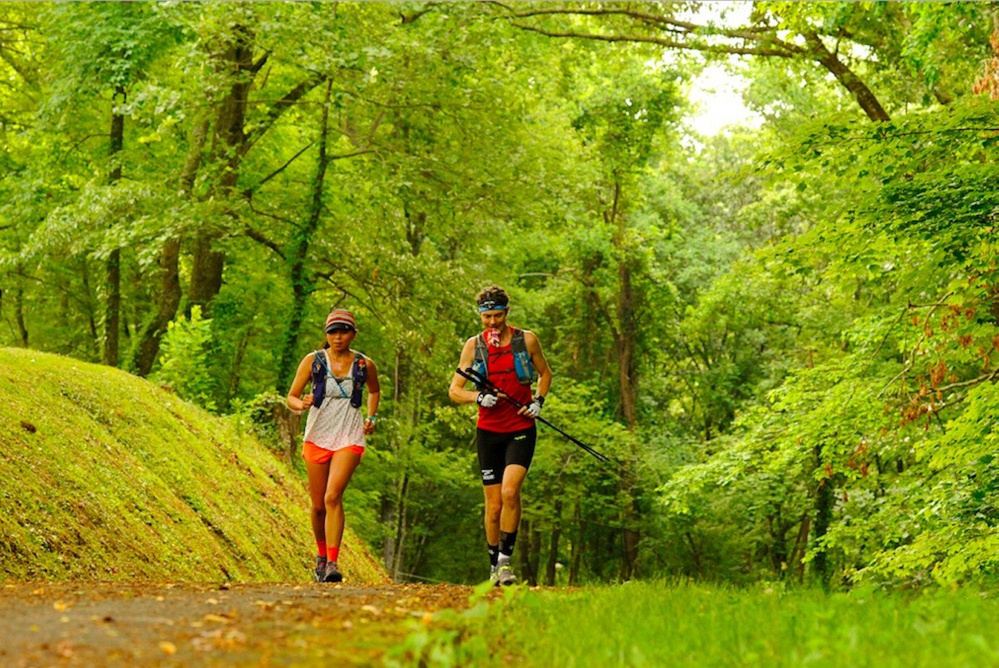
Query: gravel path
[[191, 624]]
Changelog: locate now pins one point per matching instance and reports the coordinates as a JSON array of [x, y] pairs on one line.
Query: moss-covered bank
[[105, 476]]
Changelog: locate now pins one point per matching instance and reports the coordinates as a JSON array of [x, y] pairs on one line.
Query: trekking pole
[[483, 383]]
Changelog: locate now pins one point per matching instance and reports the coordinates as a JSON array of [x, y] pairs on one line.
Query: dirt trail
[[191, 624]]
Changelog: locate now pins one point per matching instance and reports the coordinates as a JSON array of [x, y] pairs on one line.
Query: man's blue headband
[[491, 306]]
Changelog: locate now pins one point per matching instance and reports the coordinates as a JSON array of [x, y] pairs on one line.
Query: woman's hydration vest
[[320, 372], [521, 358]]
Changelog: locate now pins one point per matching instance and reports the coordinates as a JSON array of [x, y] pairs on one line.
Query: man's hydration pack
[[521, 358], [320, 371]]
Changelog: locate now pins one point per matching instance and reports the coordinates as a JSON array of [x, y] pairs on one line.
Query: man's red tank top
[[502, 418]]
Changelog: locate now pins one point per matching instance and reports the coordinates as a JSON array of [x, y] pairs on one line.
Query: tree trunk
[[167, 301], [289, 428], [779, 558], [530, 551], [112, 267], [624, 330], [824, 501], [525, 550], [301, 278], [629, 561], [797, 560], [91, 317], [576, 549], [551, 567], [534, 537], [169, 295], [630, 535], [228, 148], [695, 553], [22, 328], [388, 518], [624, 341], [396, 568], [626, 346]]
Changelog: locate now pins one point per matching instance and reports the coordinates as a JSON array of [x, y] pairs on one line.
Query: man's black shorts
[[497, 451]]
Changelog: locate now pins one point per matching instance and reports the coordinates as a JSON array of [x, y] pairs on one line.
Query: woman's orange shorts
[[313, 454]]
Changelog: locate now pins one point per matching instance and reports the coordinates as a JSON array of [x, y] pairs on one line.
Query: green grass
[[107, 477], [646, 624]]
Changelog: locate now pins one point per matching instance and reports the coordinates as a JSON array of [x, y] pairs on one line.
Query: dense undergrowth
[[108, 477]]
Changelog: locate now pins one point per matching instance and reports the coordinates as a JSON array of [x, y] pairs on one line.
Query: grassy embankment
[[107, 477], [656, 624]]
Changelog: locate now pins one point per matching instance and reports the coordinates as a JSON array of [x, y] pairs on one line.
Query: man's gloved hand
[[486, 399], [534, 408]]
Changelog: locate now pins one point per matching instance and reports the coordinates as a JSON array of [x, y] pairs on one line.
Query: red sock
[[332, 553], [321, 546]]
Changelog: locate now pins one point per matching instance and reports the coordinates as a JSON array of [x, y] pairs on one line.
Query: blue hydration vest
[[320, 371]]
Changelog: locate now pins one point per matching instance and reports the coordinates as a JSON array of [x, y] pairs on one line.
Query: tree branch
[[785, 50], [255, 67], [675, 25], [967, 383], [271, 215], [261, 239], [280, 106], [405, 19], [328, 277], [249, 191]]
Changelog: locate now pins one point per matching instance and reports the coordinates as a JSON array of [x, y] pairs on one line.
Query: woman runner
[[334, 431]]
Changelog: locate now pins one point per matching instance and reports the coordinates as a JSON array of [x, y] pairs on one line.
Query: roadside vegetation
[[688, 624]]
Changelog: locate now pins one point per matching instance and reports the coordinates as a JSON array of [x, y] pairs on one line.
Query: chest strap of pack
[[522, 365]]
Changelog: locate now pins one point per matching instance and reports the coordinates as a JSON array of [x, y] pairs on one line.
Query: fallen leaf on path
[[168, 647], [210, 617], [61, 607]]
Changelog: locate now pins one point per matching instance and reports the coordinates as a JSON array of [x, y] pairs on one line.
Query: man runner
[[511, 359]]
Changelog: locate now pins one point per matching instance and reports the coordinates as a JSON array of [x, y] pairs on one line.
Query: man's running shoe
[[332, 573], [320, 571], [505, 576], [494, 575]]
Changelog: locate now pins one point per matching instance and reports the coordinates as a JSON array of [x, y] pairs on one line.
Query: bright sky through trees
[[717, 93], [717, 98]]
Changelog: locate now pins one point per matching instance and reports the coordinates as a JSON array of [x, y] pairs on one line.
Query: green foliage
[[185, 359], [451, 638]]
